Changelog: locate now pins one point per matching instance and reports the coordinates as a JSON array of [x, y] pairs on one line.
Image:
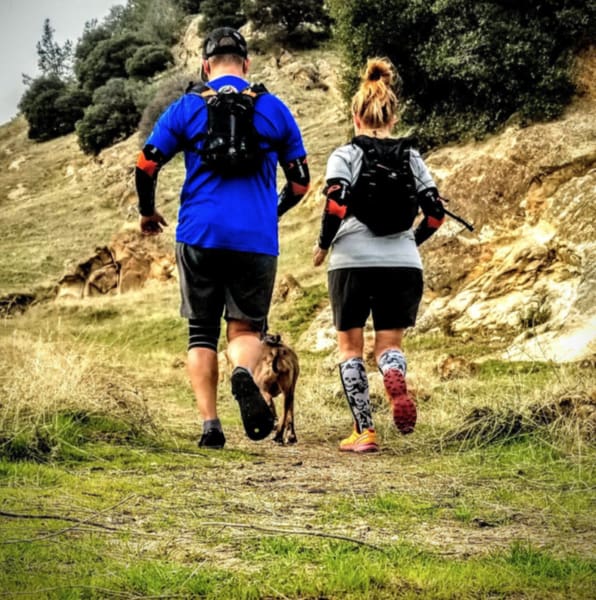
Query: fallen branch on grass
[[56, 518], [284, 531], [62, 518], [308, 532]]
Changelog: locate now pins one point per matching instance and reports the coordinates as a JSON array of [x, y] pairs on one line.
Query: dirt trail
[[406, 493]]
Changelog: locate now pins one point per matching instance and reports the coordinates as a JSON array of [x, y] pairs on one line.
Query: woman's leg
[[352, 372], [392, 364], [350, 343]]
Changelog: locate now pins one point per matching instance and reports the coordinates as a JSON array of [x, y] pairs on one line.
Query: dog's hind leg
[[288, 430], [280, 428]]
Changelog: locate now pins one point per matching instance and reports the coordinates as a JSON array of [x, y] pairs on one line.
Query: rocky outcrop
[[126, 264], [187, 53], [528, 271]]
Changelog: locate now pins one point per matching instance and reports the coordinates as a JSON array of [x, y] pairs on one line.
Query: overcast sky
[[21, 27]]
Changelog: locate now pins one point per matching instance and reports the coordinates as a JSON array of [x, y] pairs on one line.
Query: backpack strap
[[389, 153], [376, 148], [202, 89], [205, 91], [256, 89]]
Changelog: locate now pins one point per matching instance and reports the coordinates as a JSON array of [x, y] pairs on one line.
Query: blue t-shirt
[[235, 213]]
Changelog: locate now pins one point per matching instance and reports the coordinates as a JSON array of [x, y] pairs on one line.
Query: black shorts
[[213, 282], [391, 294]]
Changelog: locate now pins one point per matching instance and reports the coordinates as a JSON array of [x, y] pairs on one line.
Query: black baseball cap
[[224, 40]]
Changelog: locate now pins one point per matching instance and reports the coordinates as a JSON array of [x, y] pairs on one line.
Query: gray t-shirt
[[354, 244]]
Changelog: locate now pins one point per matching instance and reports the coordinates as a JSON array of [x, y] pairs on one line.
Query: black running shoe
[[212, 438], [257, 417]]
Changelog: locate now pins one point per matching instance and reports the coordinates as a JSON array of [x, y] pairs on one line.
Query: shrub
[[92, 35], [158, 21], [70, 107], [188, 7], [112, 117], [149, 60], [37, 104], [103, 50], [52, 107], [162, 21], [467, 67], [300, 24]]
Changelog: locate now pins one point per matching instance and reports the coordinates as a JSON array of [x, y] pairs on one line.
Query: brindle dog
[[277, 373]]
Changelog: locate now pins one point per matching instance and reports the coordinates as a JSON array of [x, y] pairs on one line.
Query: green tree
[[158, 21], [52, 107], [305, 21], [221, 13], [91, 36], [53, 59], [188, 7], [103, 49], [107, 60], [149, 60]]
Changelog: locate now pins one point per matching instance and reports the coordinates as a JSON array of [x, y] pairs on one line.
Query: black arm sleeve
[[148, 165], [434, 214], [298, 176], [337, 192]]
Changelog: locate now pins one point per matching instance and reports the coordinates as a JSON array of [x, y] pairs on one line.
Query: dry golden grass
[[50, 385]]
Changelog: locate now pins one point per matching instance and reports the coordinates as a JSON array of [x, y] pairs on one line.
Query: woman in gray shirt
[[375, 186]]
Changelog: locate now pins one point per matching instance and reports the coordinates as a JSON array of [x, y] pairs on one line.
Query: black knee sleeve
[[202, 336]]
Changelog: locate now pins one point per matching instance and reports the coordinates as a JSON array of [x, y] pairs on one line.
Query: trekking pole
[[456, 217]]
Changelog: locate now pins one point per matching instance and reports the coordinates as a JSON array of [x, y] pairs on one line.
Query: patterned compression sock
[[393, 359], [355, 383]]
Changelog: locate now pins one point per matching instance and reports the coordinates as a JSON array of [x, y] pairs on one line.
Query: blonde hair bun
[[375, 103], [379, 69]]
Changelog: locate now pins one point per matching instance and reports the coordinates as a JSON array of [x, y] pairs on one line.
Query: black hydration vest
[[384, 195], [231, 144]]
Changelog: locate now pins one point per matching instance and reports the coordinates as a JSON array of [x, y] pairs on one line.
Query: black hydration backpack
[[384, 195], [231, 143]]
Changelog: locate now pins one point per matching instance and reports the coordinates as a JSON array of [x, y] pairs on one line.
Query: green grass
[[394, 507], [280, 567], [147, 513], [175, 531]]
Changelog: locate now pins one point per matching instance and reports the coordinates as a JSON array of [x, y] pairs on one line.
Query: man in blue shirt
[[227, 232]]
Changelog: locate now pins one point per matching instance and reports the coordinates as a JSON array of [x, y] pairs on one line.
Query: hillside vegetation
[[103, 491]]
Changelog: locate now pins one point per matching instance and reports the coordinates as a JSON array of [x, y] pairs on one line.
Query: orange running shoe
[[360, 442], [403, 407]]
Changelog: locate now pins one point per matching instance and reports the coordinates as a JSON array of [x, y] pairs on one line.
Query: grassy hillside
[[104, 493]]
